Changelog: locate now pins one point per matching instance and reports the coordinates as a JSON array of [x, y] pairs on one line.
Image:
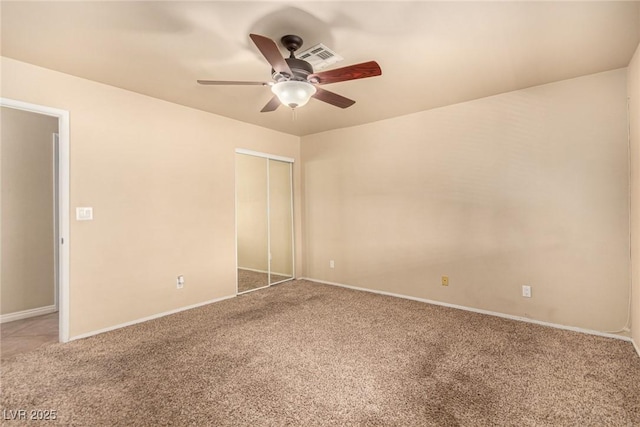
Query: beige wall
[[27, 279], [523, 188], [160, 178], [633, 92]]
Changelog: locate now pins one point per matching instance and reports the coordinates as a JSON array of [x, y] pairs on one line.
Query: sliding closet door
[[280, 221], [264, 218], [252, 222]]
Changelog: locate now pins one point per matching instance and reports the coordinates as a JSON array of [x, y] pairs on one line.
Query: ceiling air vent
[[319, 56]]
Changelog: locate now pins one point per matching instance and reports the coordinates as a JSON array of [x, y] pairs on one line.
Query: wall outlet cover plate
[[84, 214]]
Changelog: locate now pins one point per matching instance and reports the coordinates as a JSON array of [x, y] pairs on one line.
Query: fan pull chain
[[294, 115]]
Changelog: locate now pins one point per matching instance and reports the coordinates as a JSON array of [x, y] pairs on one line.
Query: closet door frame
[[293, 252]]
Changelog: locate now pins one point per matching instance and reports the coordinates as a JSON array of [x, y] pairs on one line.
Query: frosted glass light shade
[[293, 93]]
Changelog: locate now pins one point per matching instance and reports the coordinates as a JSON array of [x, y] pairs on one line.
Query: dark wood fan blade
[[272, 105], [352, 72], [230, 82], [270, 50], [333, 98]]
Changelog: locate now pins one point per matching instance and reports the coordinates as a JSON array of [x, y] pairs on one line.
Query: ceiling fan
[[294, 81]]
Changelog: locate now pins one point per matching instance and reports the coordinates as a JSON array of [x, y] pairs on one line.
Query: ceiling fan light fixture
[[293, 93]]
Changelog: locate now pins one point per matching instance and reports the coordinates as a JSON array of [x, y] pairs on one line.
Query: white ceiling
[[431, 53]]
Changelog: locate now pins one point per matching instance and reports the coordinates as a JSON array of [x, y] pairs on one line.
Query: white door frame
[[63, 212]]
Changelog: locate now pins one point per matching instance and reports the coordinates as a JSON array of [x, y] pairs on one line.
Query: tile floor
[[25, 335]]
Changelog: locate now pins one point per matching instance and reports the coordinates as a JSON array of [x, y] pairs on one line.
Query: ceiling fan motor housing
[[301, 70]]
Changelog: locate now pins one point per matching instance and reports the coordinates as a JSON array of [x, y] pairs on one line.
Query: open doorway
[[35, 221]]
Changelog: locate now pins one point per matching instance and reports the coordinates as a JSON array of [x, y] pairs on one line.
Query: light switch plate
[[84, 214]]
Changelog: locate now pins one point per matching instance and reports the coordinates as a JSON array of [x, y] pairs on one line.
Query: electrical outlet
[[526, 291], [180, 282], [445, 280], [332, 264]]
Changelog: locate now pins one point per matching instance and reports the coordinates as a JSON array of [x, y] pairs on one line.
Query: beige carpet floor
[[305, 354]]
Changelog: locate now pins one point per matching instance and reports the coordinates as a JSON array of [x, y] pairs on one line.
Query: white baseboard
[[478, 310], [145, 319], [25, 314]]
